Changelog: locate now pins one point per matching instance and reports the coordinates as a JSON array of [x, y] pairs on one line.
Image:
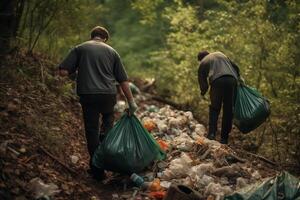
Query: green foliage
[[262, 37], [133, 39], [56, 26]]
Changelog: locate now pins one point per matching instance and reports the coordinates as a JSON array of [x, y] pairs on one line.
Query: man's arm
[[120, 92], [122, 79], [127, 92], [236, 68], [202, 78], [69, 64]]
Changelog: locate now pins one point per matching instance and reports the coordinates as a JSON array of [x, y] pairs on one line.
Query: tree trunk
[[7, 24]]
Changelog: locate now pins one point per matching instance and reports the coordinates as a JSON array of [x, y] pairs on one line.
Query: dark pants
[[92, 106], [222, 92]]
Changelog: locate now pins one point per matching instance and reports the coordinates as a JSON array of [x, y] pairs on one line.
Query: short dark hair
[[101, 32], [202, 54]]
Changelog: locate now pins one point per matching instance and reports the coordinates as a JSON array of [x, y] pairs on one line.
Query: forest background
[[160, 39]]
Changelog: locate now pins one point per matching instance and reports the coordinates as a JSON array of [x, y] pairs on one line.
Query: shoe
[[97, 173], [224, 138], [224, 141], [211, 136]]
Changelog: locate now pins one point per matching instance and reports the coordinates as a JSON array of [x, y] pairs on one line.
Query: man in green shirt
[[99, 69]]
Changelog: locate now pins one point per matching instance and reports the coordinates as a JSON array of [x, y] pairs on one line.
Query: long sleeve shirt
[[213, 66], [98, 66]]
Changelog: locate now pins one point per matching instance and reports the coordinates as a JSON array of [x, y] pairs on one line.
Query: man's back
[[218, 65], [99, 67]]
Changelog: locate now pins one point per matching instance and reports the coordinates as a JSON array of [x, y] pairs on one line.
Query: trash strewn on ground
[[206, 166], [213, 169]]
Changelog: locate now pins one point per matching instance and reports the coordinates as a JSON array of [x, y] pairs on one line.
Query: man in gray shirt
[[222, 74], [99, 69]]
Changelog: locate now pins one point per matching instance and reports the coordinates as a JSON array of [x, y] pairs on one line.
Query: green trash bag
[[127, 147], [284, 186], [251, 109]]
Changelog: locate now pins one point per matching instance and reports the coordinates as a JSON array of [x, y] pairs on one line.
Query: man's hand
[[132, 107], [203, 95], [62, 72], [126, 90]]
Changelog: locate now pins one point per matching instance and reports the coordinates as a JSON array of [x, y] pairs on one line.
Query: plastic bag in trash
[[41, 189], [200, 130], [219, 191], [203, 181], [200, 170], [178, 167], [127, 148], [284, 186], [189, 115]]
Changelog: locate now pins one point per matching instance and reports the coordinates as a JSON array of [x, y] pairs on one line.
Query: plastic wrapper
[[41, 189], [178, 167], [219, 191], [200, 170]]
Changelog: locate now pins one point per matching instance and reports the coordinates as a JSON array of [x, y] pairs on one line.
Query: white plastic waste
[[74, 159], [200, 170], [203, 181], [256, 175], [189, 115], [182, 138], [186, 145], [178, 167], [161, 125], [165, 184], [200, 130], [120, 106], [41, 189], [241, 182], [219, 191]]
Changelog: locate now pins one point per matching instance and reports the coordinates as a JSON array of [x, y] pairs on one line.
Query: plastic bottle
[[138, 181]]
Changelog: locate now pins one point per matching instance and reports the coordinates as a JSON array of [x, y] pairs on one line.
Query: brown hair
[[202, 54], [101, 32]]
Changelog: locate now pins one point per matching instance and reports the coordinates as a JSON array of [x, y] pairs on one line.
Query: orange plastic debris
[[163, 145], [158, 194], [149, 125], [155, 185], [200, 141]]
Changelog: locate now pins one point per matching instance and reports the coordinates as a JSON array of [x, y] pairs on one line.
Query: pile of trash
[[212, 169]]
